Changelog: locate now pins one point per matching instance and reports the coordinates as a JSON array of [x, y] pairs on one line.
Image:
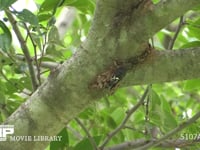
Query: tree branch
[[127, 15], [172, 41], [174, 143], [35, 52], [24, 49], [65, 93], [165, 66]]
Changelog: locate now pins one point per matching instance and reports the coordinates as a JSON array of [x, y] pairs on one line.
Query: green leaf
[[191, 85], [191, 44], [138, 117], [6, 3], [111, 122], [155, 108], [27, 16], [36, 39], [156, 1], [193, 30], [53, 36], [118, 115], [49, 5], [160, 113], [86, 6], [5, 37], [44, 17], [3, 86], [21, 68], [86, 145], [25, 83], [4, 114], [14, 102], [169, 122], [12, 86], [5, 61], [67, 54], [51, 50], [2, 98], [56, 145], [87, 113]]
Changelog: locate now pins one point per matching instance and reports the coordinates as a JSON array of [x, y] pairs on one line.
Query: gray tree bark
[[119, 33]]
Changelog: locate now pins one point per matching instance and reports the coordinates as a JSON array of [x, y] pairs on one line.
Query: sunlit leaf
[[83, 5], [156, 1], [192, 85], [194, 28], [191, 44], [49, 5]]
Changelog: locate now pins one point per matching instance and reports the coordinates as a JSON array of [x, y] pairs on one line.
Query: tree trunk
[[116, 51]]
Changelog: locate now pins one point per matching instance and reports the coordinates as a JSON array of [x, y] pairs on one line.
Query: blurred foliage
[[168, 104]]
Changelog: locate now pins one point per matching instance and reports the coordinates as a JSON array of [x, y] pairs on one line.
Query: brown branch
[[172, 41], [35, 52], [24, 48], [128, 115], [159, 67], [65, 94]]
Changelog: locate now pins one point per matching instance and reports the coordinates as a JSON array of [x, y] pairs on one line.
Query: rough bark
[[166, 66], [119, 32]]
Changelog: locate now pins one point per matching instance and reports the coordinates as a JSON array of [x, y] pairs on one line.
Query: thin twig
[[24, 49], [172, 41], [74, 132], [93, 143], [146, 104], [43, 49], [128, 115], [35, 53], [171, 133], [45, 64], [134, 129]]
